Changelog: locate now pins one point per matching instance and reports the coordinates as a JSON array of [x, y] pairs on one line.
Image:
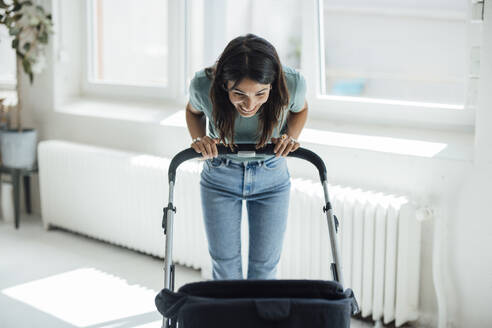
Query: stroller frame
[[245, 150]]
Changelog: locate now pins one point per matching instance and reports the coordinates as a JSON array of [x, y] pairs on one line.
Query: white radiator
[[379, 238], [118, 197]]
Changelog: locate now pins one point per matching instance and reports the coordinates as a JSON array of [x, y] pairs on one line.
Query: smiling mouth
[[247, 111]]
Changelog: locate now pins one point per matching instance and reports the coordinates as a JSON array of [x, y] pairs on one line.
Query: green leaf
[[8, 20], [15, 43], [3, 5], [43, 37], [14, 31], [26, 64]]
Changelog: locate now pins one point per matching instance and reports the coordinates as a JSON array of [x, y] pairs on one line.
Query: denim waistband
[[229, 161], [259, 163]]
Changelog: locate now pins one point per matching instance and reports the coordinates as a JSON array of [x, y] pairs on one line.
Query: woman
[[248, 97]]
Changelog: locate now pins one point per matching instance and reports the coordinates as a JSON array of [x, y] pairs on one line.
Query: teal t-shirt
[[246, 128]]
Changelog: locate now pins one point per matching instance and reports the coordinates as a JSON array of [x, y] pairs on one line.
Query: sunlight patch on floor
[[87, 296]]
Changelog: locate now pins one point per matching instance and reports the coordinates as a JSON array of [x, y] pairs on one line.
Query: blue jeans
[[265, 185]]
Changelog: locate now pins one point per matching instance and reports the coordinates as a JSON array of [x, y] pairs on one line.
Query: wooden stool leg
[[27, 193], [16, 185]]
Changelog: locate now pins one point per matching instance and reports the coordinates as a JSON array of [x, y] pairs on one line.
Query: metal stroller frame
[[245, 150]]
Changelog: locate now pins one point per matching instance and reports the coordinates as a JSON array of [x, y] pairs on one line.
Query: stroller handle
[[247, 150]]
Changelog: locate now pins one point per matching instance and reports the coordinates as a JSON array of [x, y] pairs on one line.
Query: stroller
[[255, 303]]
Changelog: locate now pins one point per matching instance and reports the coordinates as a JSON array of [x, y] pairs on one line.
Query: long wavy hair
[[255, 58]]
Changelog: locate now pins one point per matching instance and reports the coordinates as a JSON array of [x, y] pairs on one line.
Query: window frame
[[174, 90], [368, 110], [343, 109], [8, 84]]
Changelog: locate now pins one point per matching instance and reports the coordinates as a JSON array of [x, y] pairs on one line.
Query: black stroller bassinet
[[255, 303]]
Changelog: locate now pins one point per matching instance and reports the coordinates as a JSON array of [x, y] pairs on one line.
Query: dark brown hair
[[255, 58]]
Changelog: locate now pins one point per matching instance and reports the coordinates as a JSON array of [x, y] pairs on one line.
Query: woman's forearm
[[196, 124], [296, 121]]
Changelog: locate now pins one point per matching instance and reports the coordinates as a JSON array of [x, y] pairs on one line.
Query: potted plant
[[30, 26]]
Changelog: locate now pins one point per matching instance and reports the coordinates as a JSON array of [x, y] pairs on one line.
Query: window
[[410, 51], [409, 62], [213, 25], [394, 62], [7, 60], [133, 48], [130, 43]]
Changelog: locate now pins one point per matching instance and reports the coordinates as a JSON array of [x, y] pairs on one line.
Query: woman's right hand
[[206, 146]]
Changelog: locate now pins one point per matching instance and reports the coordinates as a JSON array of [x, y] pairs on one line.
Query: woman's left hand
[[284, 145]]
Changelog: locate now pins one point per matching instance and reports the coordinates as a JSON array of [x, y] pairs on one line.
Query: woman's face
[[248, 96]]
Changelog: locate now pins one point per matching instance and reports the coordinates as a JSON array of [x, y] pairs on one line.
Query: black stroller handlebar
[[247, 150]]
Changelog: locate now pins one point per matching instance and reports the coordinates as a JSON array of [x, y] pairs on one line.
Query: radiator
[[118, 197], [379, 238]]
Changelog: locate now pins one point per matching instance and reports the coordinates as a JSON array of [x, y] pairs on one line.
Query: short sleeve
[[299, 96], [196, 96]]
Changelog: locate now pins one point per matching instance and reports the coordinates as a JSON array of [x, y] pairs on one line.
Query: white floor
[[59, 279]]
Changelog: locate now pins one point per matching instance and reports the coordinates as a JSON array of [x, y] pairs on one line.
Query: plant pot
[[18, 148]]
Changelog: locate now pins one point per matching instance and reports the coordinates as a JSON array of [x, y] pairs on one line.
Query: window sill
[[384, 139], [152, 112], [425, 143]]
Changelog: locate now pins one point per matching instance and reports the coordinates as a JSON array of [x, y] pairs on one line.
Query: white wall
[[470, 238], [457, 188]]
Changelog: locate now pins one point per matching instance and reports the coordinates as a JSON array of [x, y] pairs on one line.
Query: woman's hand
[[206, 146], [284, 145]]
